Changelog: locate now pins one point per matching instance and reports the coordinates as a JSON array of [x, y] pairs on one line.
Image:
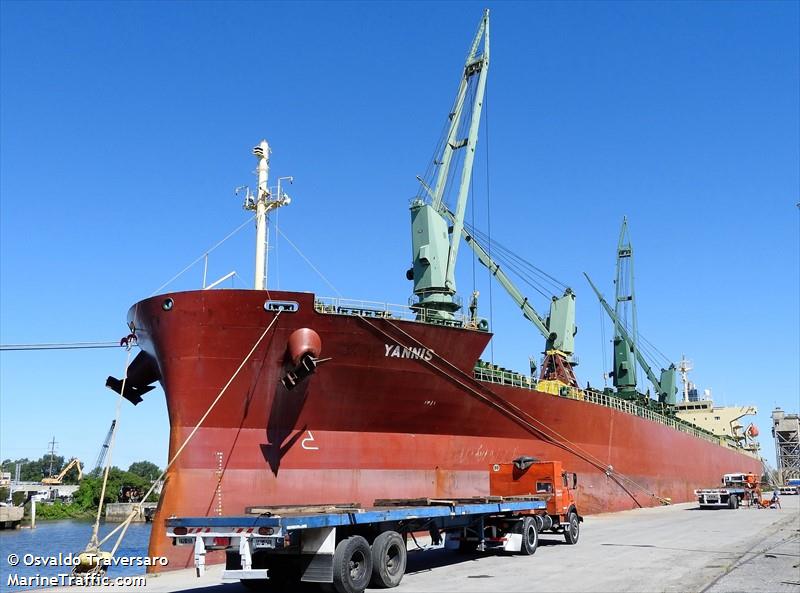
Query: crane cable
[[509, 257], [603, 344], [489, 220], [94, 545], [519, 416]]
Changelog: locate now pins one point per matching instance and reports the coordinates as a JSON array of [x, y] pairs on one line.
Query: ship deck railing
[[498, 375], [376, 309]]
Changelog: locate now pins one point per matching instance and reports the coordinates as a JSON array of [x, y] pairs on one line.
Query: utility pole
[[52, 456]]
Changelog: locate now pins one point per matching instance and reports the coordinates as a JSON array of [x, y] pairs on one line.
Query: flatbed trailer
[[352, 547], [735, 489], [729, 497]]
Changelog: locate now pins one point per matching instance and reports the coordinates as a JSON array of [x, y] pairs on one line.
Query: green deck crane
[[558, 328], [665, 386], [434, 245], [624, 373], [436, 230]]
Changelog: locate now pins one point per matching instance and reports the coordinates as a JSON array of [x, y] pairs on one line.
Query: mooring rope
[[519, 416], [139, 508], [93, 544]]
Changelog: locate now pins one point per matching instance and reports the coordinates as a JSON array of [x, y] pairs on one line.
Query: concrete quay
[[679, 548], [117, 512], [10, 517]]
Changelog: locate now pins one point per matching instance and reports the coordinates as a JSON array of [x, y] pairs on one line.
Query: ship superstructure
[[722, 421]]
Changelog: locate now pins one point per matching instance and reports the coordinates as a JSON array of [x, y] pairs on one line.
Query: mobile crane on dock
[[352, 547]]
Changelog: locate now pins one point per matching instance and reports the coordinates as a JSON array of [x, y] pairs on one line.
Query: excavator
[[56, 481]]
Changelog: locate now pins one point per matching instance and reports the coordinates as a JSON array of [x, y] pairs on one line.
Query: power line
[[60, 346]]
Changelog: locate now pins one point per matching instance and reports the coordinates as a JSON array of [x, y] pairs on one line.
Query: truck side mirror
[[574, 480]]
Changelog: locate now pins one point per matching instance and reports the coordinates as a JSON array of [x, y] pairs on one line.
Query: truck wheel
[[388, 559], [233, 560], [572, 530], [733, 502], [352, 565], [466, 546], [530, 537]]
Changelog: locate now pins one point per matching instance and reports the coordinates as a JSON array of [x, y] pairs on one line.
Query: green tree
[[41, 467], [33, 470], [88, 493], [145, 469], [87, 496]]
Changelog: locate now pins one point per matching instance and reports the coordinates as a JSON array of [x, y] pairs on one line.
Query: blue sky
[[126, 126]]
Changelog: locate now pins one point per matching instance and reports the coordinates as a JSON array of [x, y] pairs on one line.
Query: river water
[[65, 537]]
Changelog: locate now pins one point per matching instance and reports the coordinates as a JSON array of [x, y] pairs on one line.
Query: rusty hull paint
[[367, 425]]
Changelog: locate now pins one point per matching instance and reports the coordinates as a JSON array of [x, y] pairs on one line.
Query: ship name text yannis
[[397, 351]]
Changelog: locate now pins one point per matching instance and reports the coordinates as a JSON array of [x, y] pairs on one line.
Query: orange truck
[[523, 479], [527, 476]]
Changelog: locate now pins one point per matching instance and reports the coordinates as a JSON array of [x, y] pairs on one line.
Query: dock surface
[[678, 548]]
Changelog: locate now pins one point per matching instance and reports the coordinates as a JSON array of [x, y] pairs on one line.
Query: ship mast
[[684, 366], [262, 203], [262, 194], [434, 245]]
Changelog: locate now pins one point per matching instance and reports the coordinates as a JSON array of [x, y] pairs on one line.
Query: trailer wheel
[[352, 565], [733, 502], [258, 584], [572, 530], [530, 536], [466, 546], [388, 559]]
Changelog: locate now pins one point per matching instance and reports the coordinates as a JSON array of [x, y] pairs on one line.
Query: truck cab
[[527, 476], [742, 479]]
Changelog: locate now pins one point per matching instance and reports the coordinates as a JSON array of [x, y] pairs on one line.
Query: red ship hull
[[378, 422]]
